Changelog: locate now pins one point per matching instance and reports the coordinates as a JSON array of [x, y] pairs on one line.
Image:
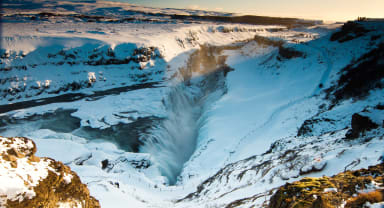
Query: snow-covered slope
[[259, 123], [193, 115]]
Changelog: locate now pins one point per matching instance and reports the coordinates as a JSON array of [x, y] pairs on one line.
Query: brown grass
[[309, 192], [361, 199]]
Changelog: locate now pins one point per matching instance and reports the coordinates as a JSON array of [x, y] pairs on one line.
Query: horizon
[[328, 10]]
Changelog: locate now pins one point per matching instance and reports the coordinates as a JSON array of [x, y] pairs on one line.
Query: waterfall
[[173, 141]]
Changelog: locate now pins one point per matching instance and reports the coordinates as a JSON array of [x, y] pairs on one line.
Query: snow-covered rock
[[31, 181], [341, 190]]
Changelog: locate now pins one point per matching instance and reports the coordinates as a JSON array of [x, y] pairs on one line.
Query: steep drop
[[199, 84]]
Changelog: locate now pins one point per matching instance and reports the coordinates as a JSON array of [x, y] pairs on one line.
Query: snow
[[266, 102], [330, 190], [69, 205], [72, 150], [17, 182], [41, 71], [140, 103], [262, 94], [91, 77], [375, 205], [260, 91], [67, 178], [369, 187], [18, 144], [128, 106]]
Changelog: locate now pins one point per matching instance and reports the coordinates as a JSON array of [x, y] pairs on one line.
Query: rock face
[[29, 181], [349, 189], [349, 31], [359, 125], [360, 77], [125, 56]]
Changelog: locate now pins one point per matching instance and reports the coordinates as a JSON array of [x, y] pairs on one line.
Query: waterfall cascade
[[173, 141]]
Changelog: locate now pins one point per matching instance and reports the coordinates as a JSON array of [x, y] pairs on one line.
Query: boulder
[[31, 181], [359, 125]]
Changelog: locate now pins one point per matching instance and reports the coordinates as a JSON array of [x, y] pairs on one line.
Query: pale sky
[[315, 9]]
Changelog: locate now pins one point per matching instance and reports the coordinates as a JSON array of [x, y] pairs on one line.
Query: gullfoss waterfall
[[199, 84]]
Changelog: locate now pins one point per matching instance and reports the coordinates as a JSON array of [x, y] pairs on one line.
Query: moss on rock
[[329, 192], [60, 186]]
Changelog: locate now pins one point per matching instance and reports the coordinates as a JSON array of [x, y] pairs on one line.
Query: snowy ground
[[265, 101]]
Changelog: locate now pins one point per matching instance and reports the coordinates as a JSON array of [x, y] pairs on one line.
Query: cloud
[[195, 7], [198, 7]]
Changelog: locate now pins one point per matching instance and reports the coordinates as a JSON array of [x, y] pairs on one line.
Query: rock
[[34, 158], [15, 153], [306, 128], [312, 125], [288, 53], [313, 167], [38, 182], [104, 164], [331, 192], [320, 203], [12, 159], [360, 77], [359, 125], [380, 106], [349, 31]]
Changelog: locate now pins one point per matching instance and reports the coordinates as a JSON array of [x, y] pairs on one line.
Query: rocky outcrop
[[75, 56], [360, 124], [30, 181], [288, 53], [349, 189], [15, 87], [360, 77], [349, 31], [306, 129]]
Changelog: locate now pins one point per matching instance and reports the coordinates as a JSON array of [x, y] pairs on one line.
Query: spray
[[173, 141]]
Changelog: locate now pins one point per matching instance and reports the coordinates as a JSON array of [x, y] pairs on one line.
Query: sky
[[338, 10]]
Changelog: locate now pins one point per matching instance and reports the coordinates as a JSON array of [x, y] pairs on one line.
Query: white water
[[172, 142]]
